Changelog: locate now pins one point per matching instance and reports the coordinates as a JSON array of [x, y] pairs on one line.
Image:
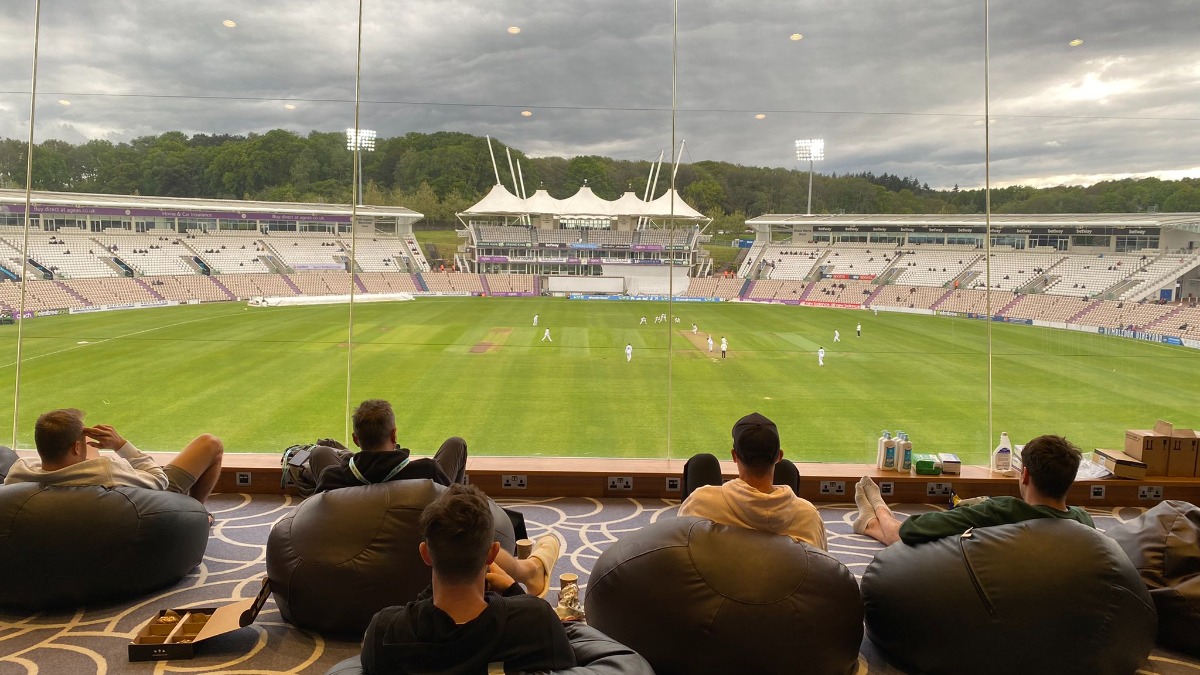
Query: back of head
[[373, 423], [56, 431], [459, 530], [1052, 462], [756, 441]]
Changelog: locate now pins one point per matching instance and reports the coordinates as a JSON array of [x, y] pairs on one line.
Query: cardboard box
[[1182, 448], [1119, 464], [951, 464], [926, 464], [1149, 446], [177, 639]]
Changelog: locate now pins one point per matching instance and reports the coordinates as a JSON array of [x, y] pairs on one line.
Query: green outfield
[[264, 378]]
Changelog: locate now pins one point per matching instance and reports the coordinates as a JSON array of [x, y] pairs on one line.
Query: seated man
[[473, 614], [1048, 468], [380, 459], [67, 457], [764, 496]]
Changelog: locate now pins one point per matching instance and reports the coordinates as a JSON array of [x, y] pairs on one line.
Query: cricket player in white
[[724, 347], [837, 337], [546, 336], [642, 322], [535, 320], [628, 353], [821, 356], [694, 329], [858, 330], [710, 343]]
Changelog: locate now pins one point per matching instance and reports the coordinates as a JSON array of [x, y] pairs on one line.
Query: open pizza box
[[174, 633]]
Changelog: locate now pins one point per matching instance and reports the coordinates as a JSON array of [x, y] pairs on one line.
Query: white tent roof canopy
[[499, 201]]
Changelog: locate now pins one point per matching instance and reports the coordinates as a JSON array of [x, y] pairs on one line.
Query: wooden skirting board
[[533, 477]]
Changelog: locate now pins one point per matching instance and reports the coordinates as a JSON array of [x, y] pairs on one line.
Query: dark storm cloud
[[896, 87]]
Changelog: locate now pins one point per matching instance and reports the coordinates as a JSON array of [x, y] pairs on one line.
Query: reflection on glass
[[644, 152]]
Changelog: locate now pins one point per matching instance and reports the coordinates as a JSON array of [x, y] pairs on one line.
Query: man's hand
[[497, 579], [103, 437]]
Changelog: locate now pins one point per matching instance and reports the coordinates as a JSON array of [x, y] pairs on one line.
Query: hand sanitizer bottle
[[886, 458], [1002, 456]]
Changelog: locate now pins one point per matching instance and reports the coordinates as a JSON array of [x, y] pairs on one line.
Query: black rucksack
[[297, 469]]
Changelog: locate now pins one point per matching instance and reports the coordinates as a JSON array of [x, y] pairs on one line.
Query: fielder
[[546, 336], [821, 356], [628, 353]]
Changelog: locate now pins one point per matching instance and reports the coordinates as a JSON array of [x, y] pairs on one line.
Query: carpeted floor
[[94, 640]]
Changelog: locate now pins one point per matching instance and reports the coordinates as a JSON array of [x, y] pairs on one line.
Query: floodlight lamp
[[363, 139], [810, 149]]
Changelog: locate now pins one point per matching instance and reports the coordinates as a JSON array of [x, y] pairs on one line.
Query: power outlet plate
[[514, 481], [939, 489], [673, 484], [1150, 492], [243, 478], [620, 483], [1097, 492], [887, 488], [833, 487]]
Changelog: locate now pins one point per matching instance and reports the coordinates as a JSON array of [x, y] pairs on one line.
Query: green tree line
[[442, 173]]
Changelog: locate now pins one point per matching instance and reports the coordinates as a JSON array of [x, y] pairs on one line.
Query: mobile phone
[[299, 458]]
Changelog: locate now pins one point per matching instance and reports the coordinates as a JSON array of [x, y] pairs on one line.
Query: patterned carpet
[[94, 640]]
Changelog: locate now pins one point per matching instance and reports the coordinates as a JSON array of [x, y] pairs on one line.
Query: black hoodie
[[375, 465], [520, 630]]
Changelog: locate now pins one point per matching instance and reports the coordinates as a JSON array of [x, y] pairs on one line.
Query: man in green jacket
[[1049, 466]]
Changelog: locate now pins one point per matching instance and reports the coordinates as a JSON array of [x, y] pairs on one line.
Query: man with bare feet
[[1049, 465]]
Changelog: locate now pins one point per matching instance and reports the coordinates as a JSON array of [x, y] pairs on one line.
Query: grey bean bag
[[595, 654], [1043, 596], [343, 555], [692, 596], [76, 546], [1164, 546]]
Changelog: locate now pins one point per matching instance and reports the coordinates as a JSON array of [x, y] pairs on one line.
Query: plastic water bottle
[[886, 458], [1002, 456]]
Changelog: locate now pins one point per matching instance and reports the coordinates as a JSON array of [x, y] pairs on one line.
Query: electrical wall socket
[[513, 481], [243, 478], [938, 489], [673, 484], [621, 483], [833, 487], [1097, 492], [1149, 492], [887, 488]]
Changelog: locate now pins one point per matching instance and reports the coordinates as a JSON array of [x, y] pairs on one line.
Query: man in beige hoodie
[[764, 496]]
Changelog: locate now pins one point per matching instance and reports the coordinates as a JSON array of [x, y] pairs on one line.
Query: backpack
[[297, 468]]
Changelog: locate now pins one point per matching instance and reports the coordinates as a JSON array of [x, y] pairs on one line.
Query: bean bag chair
[[692, 596], [1042, 596], [343, 555], [595, 654], [76, 546], [1164, 546]]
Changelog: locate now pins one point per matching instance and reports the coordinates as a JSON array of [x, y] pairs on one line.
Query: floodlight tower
[[812, 150], [358, 140]]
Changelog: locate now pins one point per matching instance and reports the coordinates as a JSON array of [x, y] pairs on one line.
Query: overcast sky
[[891, 86]]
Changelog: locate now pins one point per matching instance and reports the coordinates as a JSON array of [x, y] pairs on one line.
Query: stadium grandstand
[[1138, 273], [580, 235]]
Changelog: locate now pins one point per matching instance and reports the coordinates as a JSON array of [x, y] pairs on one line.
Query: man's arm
[[144, 471]]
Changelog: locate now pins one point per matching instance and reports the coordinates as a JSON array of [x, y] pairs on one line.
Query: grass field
[[264, 378]]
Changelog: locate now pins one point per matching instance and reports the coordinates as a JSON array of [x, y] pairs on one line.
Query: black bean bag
[[1042, 596], [77, 546], [595, 654], [343, 555], [1164, 546], [692, 596]]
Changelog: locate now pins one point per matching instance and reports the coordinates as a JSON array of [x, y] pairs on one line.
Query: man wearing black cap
[[764, 496]]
